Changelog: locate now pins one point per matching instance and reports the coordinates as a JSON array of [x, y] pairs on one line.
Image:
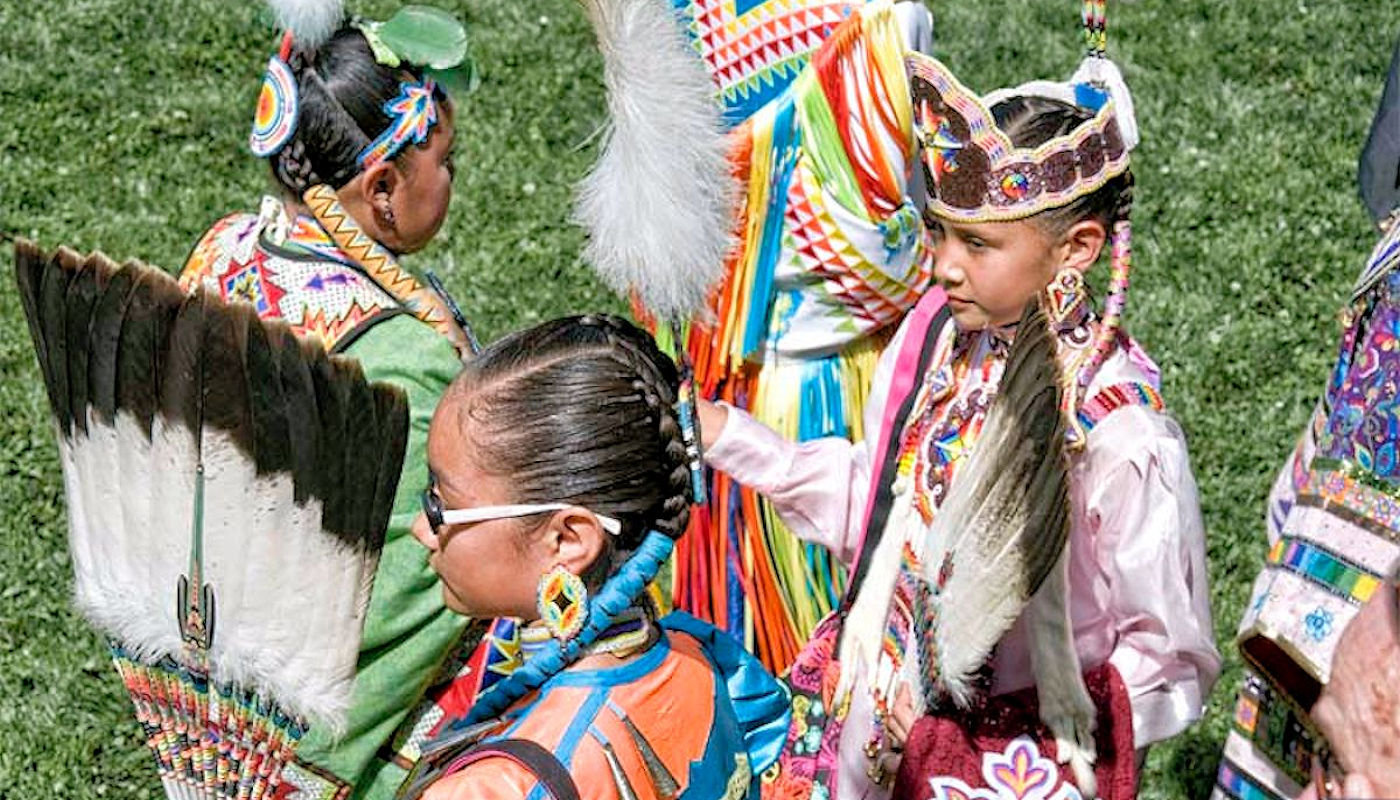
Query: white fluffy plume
[[659, 204], [311, 21]]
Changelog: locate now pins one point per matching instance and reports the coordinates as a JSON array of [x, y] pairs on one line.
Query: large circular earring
[[562, 601]]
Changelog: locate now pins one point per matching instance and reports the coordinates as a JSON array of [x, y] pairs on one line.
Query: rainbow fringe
[[210, 741], [740, 567]]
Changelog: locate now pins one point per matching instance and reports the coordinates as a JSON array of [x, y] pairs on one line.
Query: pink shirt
[[1138, 597]]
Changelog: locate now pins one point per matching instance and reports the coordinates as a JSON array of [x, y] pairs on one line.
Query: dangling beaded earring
[[562, 601], [1066, 297]]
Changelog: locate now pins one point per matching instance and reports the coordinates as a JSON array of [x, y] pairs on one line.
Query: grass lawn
[[123, 127]]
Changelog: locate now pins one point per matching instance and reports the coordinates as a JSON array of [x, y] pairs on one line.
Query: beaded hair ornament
[[428, 44], [973, 173]]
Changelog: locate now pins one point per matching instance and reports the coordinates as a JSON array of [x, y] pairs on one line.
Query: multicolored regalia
[[1334, 536], [831, 253], [228, 489]]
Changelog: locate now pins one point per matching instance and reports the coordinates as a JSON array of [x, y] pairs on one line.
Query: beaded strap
[[615, 597], [382, 267], [1096, 26], [1119, 395]]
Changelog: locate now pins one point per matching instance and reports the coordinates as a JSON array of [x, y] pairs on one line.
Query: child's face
[[992, 269], [489, 568], [420, 205]]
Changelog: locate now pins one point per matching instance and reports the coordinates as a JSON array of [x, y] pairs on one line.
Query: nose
[[946, 268], [423, 532]]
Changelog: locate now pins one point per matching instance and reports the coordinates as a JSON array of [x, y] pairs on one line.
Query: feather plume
[[659, 204], [160, 396], [1005, 521], [311, 22]]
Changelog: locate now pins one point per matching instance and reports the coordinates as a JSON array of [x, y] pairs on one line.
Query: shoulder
[[403, 350], [489, 779], [1128, 422], [217, 245]]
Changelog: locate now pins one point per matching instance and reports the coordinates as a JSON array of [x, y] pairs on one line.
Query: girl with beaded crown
[[1026, 188], [559, 478], [358, 133]]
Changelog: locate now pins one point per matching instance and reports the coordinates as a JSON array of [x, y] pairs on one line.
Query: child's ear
[[1081, 245]]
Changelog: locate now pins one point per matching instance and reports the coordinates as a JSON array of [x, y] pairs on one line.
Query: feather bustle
[[105, 334], [141, 366]]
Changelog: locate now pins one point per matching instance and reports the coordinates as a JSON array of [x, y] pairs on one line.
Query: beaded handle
[[1096, 26]]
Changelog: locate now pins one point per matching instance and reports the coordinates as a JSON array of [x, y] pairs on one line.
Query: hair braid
[[640, 354]]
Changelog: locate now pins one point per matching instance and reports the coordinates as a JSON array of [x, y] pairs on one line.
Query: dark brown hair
[[342, 90], [582, 410]]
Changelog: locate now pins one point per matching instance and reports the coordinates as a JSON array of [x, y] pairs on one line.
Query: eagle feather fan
[[214, 457]]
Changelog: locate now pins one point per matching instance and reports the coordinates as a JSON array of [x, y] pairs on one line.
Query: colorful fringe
[[831, 256], [210, 741]]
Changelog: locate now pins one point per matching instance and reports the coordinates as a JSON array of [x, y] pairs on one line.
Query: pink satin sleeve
[[819, 488], [1142, 509]]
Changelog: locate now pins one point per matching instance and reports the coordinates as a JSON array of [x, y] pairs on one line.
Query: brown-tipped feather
[[1004, 522], [150, 314], [54, 302], [86, 284], [391, 417], [272, 445], [180, 372], [29, 277], [109, 315], [331, 397], [303, 429], [225, 375], [1032, 385], [361, 466]]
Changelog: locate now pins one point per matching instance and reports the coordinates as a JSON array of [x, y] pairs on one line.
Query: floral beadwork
[[1319, 623], [1018, 773], [1364, 395]]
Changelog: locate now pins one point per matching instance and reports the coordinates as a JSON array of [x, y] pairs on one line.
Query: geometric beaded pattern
[[755, 48]]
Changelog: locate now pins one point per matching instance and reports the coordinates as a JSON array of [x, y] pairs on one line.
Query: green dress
[[289, 269]]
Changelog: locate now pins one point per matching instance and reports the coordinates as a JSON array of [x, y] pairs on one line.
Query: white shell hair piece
[[311, 21], [659, 204]]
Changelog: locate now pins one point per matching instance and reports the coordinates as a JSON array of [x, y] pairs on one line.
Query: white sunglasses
[[439, 516]]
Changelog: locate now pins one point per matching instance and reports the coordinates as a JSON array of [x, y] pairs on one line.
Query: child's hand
[[711, 418]]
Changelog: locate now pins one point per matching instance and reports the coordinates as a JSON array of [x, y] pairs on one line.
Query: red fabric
[[954, 744]]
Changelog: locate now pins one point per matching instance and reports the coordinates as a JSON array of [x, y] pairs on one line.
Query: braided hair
[[342, 91], [582, 410]]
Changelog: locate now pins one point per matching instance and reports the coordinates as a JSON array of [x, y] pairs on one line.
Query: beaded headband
[[975, 173]]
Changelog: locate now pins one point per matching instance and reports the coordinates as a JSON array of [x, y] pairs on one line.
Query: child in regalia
[[360, 144], [1027, 188], [559, 479]]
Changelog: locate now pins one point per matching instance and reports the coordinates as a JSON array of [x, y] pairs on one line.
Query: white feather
[[864, 628], [311, 21], [976, 605], [659, 204]]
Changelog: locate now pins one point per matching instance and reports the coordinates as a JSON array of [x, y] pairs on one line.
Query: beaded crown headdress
[[976, 174], [973, 172]]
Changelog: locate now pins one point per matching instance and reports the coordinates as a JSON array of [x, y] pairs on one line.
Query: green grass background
[[123, 127]]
